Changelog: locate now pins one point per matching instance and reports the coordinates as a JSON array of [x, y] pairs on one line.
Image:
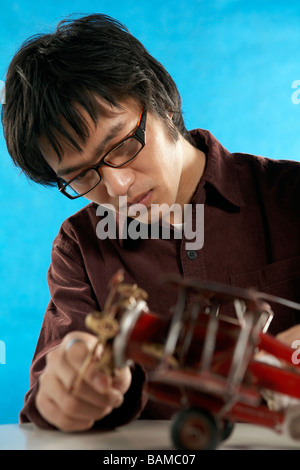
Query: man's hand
[[96, 396]]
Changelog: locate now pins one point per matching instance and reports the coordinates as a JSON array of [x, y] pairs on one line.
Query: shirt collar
[[220, 171]]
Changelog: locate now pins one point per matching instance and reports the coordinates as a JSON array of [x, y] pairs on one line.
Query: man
[[88, 109]]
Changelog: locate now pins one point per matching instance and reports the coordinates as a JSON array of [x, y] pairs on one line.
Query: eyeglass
[[121, 154]]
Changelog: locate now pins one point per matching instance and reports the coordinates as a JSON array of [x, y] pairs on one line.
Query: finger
[[66, 364], [112, 398], [122, 379], [81, 374], [79, 337], [66, 361], [73, 341], [94, 387], [69, 405], [79, 355], [89, 374], [76, 351], [55, 416], [57, 364]]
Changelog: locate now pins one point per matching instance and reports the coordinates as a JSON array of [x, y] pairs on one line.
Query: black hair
[[85, 57]]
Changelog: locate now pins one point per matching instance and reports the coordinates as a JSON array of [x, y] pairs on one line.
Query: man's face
[[152, 177]]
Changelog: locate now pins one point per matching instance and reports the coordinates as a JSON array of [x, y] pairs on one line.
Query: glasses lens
[[124, 152], [83, 183]]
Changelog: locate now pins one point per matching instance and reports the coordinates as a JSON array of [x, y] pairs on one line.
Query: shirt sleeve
[[72, 297]]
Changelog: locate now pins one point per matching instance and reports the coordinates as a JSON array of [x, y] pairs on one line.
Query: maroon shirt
[[251, 239]]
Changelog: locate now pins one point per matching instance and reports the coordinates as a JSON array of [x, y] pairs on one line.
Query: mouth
[[141, 199]]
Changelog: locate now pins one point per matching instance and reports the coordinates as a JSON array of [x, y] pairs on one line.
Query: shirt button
[[191, 254]]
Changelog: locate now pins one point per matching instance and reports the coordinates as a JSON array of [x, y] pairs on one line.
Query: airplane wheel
[[227, 429], [194, 429]]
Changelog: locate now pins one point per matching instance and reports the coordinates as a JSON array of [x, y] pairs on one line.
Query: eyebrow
[[98, 150]]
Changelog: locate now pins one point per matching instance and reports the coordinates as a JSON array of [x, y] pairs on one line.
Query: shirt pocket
[[281, 279]]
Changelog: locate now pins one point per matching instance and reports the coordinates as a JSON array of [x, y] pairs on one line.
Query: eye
[[81, 177], [119, 150], [84, 177], [123, 152]]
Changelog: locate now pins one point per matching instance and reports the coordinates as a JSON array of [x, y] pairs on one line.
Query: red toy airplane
[[209, 360]]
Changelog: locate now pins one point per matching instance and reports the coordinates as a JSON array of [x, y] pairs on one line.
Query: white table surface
[[139, 435]]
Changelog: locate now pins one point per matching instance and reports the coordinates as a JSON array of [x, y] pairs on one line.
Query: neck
[[192, 171]]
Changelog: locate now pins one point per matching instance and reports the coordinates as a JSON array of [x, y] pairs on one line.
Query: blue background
[[234, 63]]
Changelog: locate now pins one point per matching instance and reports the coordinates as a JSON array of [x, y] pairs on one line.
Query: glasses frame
[[139, 134]]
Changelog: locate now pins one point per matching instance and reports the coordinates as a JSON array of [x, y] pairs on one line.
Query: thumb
[[79, 346]]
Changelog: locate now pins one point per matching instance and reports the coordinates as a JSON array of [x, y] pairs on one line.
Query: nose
[[117, 180]]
